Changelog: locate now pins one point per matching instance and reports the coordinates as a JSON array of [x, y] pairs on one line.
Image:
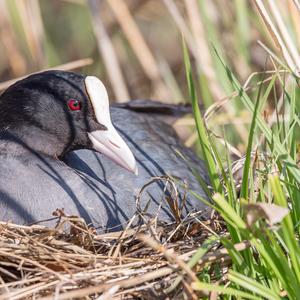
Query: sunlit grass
[[269, 268]]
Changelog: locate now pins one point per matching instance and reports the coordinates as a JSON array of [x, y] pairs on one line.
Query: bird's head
[[54, 112]]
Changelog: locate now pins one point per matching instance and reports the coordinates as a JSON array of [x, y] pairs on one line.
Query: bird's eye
[[74, 104]]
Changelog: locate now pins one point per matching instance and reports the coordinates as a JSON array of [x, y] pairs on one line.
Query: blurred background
[[135, 47]]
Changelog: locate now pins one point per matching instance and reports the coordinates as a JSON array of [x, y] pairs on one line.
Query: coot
[[59, 150]]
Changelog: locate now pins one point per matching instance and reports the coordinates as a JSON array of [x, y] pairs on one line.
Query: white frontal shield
[[108, 142]]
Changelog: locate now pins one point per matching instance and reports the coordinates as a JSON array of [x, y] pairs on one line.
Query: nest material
[[75, 262]]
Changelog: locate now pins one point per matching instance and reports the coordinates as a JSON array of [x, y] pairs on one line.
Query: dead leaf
[[271, 212]]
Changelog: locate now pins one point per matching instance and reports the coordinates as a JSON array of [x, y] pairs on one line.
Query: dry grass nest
[[72, 261]]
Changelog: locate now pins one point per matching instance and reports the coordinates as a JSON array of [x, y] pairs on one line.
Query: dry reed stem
[[295, 14], [297, 4], [180, 23], [273, 55], [34, 30], [170, 255], [214, 108], [277, 38], [108, 53], [197, 44], [285, 34], [76, 64], [9, 40], [139, 46], [171, 81], [203, 51]]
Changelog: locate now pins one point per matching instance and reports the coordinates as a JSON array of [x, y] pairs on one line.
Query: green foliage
[[270, 268]]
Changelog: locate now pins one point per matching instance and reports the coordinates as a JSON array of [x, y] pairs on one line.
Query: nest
[[72, 260]]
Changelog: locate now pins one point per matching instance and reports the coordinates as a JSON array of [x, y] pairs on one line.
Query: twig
[[169, 254], [139, 46]]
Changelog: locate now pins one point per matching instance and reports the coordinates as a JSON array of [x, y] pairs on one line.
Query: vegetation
[[238, 62]]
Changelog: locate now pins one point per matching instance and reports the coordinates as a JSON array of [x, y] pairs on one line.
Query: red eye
[[74, 104]]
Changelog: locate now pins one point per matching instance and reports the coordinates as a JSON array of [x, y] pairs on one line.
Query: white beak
[[108, 142]]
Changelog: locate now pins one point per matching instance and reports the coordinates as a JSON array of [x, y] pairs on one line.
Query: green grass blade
[[280, 150], [228, 212], [247, 165], [223, 290], [252, 285], [287, 226], [202, 133]]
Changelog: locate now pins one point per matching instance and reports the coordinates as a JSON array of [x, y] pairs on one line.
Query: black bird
[[46, 118]]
